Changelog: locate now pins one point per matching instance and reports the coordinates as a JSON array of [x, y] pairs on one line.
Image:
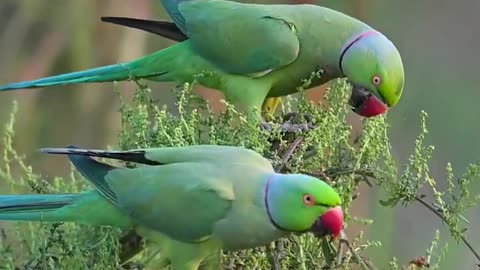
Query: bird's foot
[[292, 123]]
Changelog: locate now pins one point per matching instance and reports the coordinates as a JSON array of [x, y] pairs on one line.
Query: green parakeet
[[251, 52], [191, 201]]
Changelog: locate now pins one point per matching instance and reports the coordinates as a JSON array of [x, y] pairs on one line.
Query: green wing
[[171, 6], [181, 200], [215, 154], [239, 38], [183, 193]]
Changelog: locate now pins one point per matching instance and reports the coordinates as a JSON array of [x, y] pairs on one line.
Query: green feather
[[191, 202], [250, 52]]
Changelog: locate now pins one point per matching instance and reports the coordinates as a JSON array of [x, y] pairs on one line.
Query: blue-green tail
[[117, 72], [86, 208], [152, 66], [30, 207], [96, 207], [33, 207]]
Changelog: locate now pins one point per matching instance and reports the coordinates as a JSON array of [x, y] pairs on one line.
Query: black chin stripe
[[265, 198], [345, 51], [351, 42]]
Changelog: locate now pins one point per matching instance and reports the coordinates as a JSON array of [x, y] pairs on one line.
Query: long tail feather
[[33, 203], [35, 207], [116, 72], [137, 156], [153, 66], [95, 172], [165, 29], [86, 208]]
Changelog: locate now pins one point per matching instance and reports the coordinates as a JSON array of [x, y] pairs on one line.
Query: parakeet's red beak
[[330, 222], [365, 103]]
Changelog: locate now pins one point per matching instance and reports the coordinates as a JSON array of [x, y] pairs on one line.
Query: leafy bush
[[328, 151]]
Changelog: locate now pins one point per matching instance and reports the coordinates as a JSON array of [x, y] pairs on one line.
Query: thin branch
[[341, 249], [334, 172], [290, 152], [438, 214], [419, 199], [331, 173], [344, 241]]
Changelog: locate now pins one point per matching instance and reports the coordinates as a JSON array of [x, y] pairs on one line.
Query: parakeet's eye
[[308, 200], [376, 80]]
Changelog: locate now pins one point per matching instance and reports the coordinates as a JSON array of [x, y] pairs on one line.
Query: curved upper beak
[[331, 222], [365, 103]]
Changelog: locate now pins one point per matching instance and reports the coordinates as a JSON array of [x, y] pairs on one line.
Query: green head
[[373, 65], [296, 202]]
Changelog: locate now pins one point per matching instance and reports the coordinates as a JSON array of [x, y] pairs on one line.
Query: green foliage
[[48, 246], [328, 151]]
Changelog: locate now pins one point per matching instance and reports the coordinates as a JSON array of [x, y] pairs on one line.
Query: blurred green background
[[438, 40]]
